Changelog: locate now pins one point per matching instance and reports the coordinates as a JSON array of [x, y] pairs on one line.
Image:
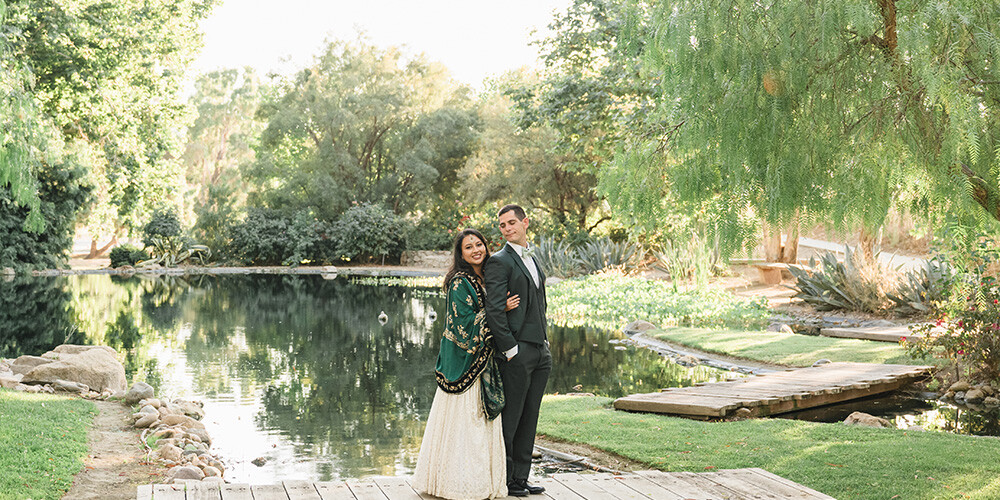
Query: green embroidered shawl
[[465, 348]]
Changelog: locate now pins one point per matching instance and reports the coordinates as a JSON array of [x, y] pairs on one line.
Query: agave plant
[[556, 258], [850, 285], [922, 287], [600, 254], [169, 252]]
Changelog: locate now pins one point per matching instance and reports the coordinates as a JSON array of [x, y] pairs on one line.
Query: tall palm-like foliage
[[829, 107]]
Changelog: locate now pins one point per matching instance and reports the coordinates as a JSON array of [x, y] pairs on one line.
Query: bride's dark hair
[[457, 262]]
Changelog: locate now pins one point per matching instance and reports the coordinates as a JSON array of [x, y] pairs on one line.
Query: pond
[[296, 369]]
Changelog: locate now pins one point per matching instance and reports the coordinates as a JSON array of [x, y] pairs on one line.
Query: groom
[[519, 335]]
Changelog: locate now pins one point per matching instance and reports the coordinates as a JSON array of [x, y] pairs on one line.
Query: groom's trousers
[[524, 378]]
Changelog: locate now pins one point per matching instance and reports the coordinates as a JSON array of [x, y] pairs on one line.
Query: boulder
[[821, 362], [688, 360], [9, 382], [202, 435], [259, 461], [211, 471], [213, 480], [192, 409], [28, 388], [786, 329], [68, 386], [138, 392], [149, 409], [147, 420], [991, 401], [987, 389], [74, 349], [638, 326], [25, 364], [960, 386], [974, 395], [95, 368], [169, 452], [183, 421], [186, 472], [864, 419]]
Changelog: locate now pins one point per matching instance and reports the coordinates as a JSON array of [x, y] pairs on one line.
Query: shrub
[[164, 224], [127, 255], [556, 258], [261, 239], [365, 232], [598, 255], [855, 284], [691, 259], [921, 290]]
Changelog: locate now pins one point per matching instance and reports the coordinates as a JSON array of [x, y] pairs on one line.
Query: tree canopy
[[828, 108]]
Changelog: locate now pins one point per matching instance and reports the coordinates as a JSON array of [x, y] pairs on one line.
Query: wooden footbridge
[[735, 484], [777, 392]]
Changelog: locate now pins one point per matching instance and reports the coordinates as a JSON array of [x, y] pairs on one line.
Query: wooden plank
[[238, 491], [204, 491], [365, 490], [333, 490], [168, 492], [713, 488], [612, 484], [743, 488], [395, 488], [649, 488], [144, 492], [300, 490], [783, 484], [554, 490], [268, 492], [677, 485], [581, 486], [423, 496]]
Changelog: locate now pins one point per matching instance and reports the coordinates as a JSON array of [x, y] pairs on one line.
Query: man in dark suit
[[520, 335]]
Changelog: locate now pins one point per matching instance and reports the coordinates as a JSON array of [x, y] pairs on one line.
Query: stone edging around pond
[[182, 441], [688, 357], [328, 272]]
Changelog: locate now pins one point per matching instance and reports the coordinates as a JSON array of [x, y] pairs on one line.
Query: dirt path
[[116, 463]]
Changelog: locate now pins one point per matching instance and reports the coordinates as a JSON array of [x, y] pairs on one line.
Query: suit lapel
[[518, 261]]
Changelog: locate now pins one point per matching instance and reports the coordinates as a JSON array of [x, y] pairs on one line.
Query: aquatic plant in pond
[[611, 300]]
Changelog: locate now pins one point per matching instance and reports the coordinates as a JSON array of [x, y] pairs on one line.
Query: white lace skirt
[[462, 454]]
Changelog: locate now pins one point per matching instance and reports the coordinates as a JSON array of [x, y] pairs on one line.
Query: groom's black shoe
[[522, 485], [517, 488]]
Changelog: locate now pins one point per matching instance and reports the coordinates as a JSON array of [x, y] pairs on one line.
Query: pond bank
[[331, 271]]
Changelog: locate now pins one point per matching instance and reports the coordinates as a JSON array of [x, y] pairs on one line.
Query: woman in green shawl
[[462, 455]]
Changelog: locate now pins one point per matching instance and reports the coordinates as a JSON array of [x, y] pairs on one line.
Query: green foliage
[[825, 109], [261, 238], [556, 257], [61, 191], [363, 124], [922, 290], [602, 253], [366, 232], [435, 229], [127, 255], [816, 455], [50, 434], [853, 284], [163, 224], [611, 300], [692, 258], [163, 236]]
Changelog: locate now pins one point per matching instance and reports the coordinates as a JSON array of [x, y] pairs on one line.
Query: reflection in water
[[295, 369]]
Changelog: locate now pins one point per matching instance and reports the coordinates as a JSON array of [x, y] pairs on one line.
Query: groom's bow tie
[[528, 252]]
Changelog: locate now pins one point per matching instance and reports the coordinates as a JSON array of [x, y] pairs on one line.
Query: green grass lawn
[[846, 462], [43, 439], [787, 348]]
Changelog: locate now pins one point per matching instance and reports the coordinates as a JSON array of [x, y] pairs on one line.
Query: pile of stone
[[965, 393], [91, 371], [181, 440]]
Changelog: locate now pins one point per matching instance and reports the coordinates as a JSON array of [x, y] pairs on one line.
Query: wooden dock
[[777, 392], [735, 484]]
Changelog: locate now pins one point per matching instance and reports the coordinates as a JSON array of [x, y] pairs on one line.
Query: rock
[[960, 386], [259, 461], [169, 452], [163, 433], [95, 368], [786, 329], [183, 421], [9, 382], [74, 349], [213, 480], [974, 395], [820, 362], [987, 389], [915, 428], [743, 413], [202, 435], [638, 326], [164, 411], [960, 396], [688, 360], [991, 401], [186, 472], [192, 409], [138, 392], [864, 419], [25, 364], [949, 395], [67, 386], [28, 388], [149, 409], [147, 420]]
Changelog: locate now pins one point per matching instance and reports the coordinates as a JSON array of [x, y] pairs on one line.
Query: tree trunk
[[869, 243], [775, 250]]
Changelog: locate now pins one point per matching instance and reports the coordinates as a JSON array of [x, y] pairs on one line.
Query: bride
[[462, 455]]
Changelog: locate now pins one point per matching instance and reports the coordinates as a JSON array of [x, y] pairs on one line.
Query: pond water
[[296, 369]]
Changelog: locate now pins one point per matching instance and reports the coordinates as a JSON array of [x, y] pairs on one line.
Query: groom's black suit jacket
[[505, 272]]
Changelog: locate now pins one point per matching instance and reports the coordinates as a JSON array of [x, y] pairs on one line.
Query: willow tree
[[827, 108]]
